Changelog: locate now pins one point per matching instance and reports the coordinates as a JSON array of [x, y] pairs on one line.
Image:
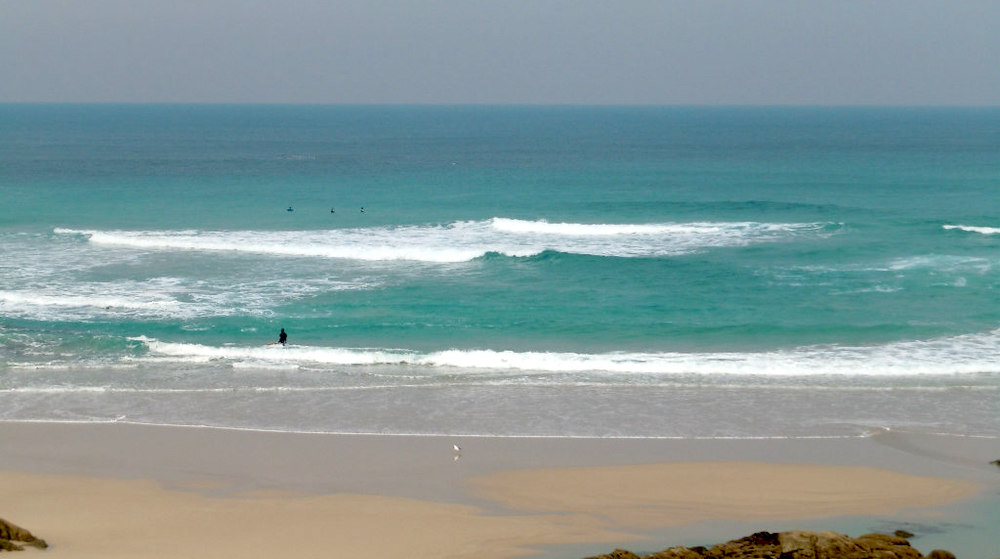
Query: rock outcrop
[[14, 538], [798, 544]]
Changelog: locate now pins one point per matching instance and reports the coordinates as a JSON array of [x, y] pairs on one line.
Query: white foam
[[739, 228], [465, 240], [62, 298], [55, 303], [973, 229], [942, 263], [959, 355], [587, 230], [271, 356], [43, 299]]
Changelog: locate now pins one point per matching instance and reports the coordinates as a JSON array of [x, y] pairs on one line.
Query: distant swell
[[467, 240]]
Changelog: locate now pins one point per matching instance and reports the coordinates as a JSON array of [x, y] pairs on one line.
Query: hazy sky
[[502, 51]]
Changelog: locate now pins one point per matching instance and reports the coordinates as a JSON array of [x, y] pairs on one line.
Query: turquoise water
[[549, 271]]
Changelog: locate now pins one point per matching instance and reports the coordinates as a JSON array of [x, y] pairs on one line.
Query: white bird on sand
[[457, 448]]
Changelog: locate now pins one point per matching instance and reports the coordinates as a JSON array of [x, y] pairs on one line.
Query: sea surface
[[663, 272]]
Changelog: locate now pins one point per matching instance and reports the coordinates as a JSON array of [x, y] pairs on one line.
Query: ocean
[[660, 272]]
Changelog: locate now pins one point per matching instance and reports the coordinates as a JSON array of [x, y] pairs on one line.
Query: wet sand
[[113, 490]]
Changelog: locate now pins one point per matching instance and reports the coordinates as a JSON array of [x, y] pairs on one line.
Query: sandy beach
[[119, 490]]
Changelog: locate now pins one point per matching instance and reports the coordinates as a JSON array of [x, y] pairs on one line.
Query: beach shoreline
[[157, 489]]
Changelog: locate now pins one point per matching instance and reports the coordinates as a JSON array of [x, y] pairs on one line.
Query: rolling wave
[[467, 240]]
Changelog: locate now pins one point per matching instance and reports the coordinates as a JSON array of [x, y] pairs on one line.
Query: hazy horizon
[[547, 52]]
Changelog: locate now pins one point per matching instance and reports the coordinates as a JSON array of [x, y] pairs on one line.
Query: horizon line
[[502, 104]]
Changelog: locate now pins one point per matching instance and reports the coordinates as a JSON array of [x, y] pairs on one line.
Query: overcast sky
[[895, 52]]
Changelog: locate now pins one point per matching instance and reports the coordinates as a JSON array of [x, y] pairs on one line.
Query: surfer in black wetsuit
[[282, 337]]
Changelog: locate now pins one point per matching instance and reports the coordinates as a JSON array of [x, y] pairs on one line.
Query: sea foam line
[[959, 355]]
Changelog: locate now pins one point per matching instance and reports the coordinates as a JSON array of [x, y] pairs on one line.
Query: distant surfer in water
[[282, 337]]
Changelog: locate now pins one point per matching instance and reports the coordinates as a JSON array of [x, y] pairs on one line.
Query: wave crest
[[973, 229], [467, 240]]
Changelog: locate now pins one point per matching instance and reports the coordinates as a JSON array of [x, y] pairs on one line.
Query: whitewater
[[464, 241]]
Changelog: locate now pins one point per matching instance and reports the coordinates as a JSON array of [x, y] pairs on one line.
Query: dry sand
[[107, 518], [140, 491]]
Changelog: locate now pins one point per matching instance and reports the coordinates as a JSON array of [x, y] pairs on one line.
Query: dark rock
[[881, 544], [38, 543], [903, 534], [7, 545], [617, 554], [762, 538], [10, 533], [940, 554], [761, 544], [679, 553], [803, 544], [799, 544]]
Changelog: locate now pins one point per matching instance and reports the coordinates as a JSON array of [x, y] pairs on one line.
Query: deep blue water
[[598, 271]]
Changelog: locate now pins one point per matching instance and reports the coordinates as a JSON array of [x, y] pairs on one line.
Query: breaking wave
[[973, 229], [467, 240]]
